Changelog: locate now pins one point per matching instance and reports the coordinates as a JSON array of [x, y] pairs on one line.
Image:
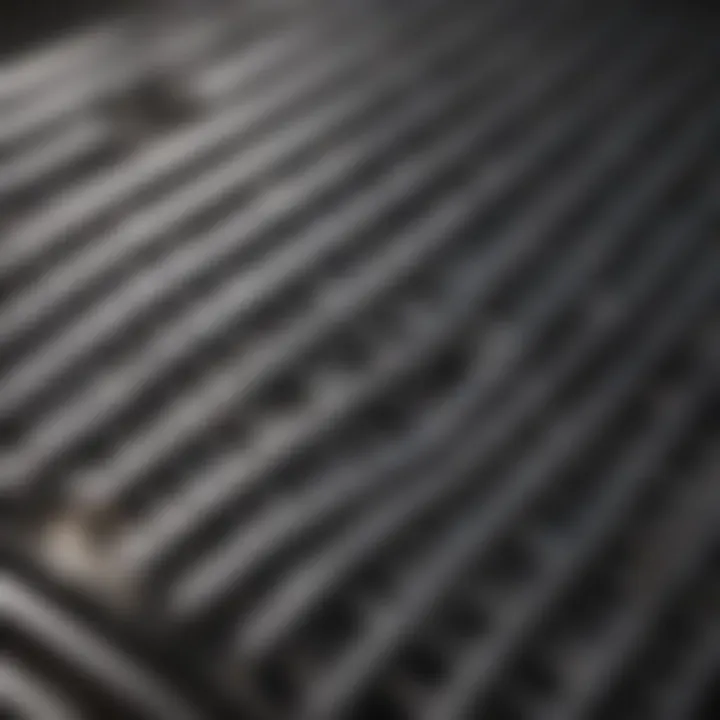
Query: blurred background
[[360, 360]]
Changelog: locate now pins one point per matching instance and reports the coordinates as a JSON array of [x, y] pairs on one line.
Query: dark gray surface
[[361, 361]]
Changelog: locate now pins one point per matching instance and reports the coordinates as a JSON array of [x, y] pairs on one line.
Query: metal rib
[[482, 443], [694, 525], [62, 225], [220, 245], [234, 386], [190, 516], [452, 554], [482, 666]]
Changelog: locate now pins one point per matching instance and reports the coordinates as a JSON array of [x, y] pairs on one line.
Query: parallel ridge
[[636, 617], [366, 375], [61, 665]]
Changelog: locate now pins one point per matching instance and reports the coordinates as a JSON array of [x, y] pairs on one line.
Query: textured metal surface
[[362, 363]]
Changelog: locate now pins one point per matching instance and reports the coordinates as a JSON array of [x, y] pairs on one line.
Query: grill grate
[[362, 363]]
